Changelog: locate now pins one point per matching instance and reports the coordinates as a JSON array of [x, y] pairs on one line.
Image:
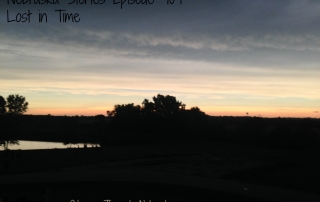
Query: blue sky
[[226, 57]]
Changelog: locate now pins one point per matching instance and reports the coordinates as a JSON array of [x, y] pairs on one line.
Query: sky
[[228, 57]]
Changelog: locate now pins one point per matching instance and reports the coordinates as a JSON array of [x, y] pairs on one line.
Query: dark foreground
[[115, 192], [172, 172]]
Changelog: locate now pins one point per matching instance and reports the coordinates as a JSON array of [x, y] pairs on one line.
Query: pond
[[28, 145]]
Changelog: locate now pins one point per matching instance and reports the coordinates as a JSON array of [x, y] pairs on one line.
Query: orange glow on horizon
[[268, 114], [68, 112], [264, 113]]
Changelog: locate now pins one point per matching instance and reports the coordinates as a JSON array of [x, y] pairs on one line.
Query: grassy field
[[276, 168]]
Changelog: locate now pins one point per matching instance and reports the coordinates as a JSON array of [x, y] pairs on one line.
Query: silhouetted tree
[[167, 105], [164, 115], [196, 112], [124, 110], [162, 105], [99, 117], [193, 124], [6, 143], [16, 104], [194, 116], [147, 107], [126, 117], [2, 105]]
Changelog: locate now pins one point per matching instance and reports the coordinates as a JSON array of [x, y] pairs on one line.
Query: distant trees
[[6, 143], [99, 117], [128, 110], [163, 106], [126, 117], [162, 114], [11, 125], [15, 105], [167, 105], [195, 111], [2, 105]]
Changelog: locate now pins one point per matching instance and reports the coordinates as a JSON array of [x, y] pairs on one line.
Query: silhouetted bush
[[164, 115]]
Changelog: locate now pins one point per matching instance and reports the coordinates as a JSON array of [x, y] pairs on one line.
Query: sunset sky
[[227, 57]]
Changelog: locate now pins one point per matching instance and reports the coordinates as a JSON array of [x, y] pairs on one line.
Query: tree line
[[13, 105], [161, 118], [164, 114]]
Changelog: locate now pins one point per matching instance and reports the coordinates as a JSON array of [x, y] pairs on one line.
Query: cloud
[[202, 50], [260, 33], [288, 51]]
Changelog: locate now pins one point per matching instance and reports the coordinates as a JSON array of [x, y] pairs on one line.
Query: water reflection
[[81, 145], [28, 145], [5, 143]]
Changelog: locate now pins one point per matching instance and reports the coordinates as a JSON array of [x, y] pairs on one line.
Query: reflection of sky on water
[[27, 145]]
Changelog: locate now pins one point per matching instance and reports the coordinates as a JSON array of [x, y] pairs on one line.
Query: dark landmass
[[276, 152]]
